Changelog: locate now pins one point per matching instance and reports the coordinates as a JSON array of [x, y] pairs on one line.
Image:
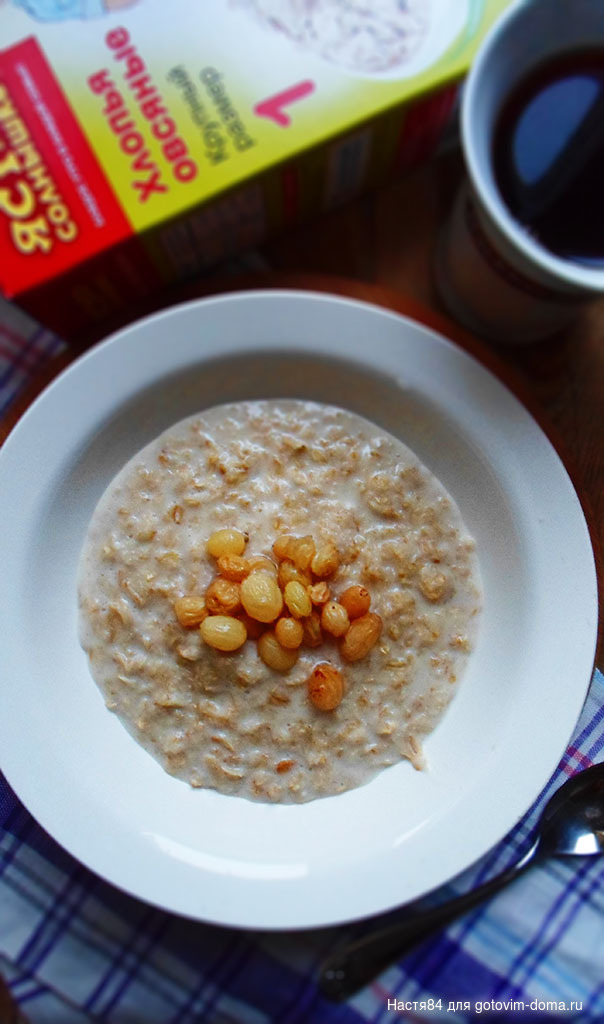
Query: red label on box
[[56, 206]]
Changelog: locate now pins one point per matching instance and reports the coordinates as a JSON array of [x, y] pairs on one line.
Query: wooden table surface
[[379, 248]]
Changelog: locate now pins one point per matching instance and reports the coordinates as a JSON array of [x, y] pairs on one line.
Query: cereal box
[[142, 141]]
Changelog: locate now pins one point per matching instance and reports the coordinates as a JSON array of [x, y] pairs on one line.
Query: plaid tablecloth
[[73, 949]]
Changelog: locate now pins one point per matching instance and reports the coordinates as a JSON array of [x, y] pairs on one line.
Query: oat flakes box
[[142, 141]]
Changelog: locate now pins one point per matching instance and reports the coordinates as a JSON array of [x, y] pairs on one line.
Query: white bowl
[[229, 860]]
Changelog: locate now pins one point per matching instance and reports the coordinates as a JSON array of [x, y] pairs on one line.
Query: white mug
[[491, 274]]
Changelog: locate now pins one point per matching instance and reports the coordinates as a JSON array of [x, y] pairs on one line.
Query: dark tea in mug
[[548, 155], [523, 250]]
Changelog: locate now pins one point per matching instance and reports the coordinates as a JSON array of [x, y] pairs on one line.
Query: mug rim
[[562, 270]]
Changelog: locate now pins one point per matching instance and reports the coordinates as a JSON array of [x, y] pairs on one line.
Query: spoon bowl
[[572, 824]]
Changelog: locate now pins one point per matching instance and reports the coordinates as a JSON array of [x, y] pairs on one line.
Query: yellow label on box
[[148, 109]]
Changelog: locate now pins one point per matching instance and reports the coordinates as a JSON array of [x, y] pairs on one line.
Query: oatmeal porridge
[[278, 600], [365, 37]]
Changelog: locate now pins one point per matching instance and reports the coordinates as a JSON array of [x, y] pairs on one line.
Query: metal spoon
[[572, 824]]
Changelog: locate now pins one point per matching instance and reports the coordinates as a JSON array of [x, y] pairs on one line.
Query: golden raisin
[[282, 546], [326, 560], [289, 572], [260, 596], [319, 593], [362, 634], [334, 618], [356, 600], [289, 632], [223, 632], [325, 686], [233, 567], [226, 542], [302, 551], [190, 610], [313, 635], [223, 597], [274, 655], [297, 599], [261, 562]]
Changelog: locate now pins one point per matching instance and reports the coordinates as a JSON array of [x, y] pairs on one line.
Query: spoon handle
[[355, 965]]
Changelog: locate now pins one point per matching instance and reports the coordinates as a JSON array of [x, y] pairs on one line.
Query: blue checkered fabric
[[73, 949], [24, 349]]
